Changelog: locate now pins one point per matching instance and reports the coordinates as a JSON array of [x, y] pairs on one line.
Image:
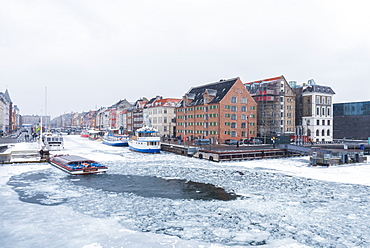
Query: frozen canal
[[166, 200]]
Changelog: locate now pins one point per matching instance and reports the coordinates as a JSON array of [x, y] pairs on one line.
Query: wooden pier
[[229, 153]]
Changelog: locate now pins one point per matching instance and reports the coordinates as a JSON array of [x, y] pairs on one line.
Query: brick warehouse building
[[217, 111]]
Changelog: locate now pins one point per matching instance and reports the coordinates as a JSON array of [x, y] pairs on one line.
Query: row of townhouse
[[125, 116], [227, 109], [10, 119]]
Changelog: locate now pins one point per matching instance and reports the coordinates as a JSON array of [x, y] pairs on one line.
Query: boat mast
[[46, 113], [40, 138]]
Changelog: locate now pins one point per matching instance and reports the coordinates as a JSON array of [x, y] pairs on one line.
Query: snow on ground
[[300, 166], [282, 203]]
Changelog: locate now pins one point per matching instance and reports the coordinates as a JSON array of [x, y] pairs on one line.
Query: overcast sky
[[91, 54]]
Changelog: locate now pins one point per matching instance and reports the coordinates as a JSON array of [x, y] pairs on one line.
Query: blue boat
[[146, 139], [112, 138]]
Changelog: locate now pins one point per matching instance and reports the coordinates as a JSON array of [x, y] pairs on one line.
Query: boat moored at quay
[[113, 138], [95, 134], [77, 165], [146, 140], [84, 133], [53, 141]]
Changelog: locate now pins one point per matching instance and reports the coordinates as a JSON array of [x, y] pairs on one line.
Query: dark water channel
[[148, 186], [145, 186]]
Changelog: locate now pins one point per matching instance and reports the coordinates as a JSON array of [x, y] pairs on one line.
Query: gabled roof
[[217, 90], [318, 88], [7, 96], [266, 84], [170, 102]]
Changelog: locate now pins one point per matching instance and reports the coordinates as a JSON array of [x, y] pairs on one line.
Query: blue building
[[351, 120]]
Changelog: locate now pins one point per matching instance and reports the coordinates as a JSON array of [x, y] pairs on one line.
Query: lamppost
[[248, 128]]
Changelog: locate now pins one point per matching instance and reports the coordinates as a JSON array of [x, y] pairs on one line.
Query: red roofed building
[[276, 106], [160, 113]]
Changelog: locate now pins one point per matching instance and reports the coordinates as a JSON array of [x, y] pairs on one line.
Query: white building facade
[[161, 114], [314, 112]]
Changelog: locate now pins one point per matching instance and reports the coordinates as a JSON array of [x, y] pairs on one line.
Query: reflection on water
[[148, 186]]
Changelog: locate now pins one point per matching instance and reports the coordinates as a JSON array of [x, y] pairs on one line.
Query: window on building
[[244, 134], [233, 134], [328, 122], [233, 99], [243, 125], [317, 132], [323, 122], [244, 100], [233, 108], [233, 117], [323, 132], [317, 111], [328, 112], [243, 116], [233, 125], [244, 108], [328, 132]]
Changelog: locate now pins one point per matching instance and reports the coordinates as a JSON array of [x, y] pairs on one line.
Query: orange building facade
[[217, 111]]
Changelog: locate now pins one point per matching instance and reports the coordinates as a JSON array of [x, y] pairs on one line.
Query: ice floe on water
[[166, 200]]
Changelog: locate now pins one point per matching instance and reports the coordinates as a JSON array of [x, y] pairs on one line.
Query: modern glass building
[[351, 108], [351, 120]]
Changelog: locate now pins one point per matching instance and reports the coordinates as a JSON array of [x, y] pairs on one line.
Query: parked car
[[200, 142], [252, 141], [255, 141], [231, 142]]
